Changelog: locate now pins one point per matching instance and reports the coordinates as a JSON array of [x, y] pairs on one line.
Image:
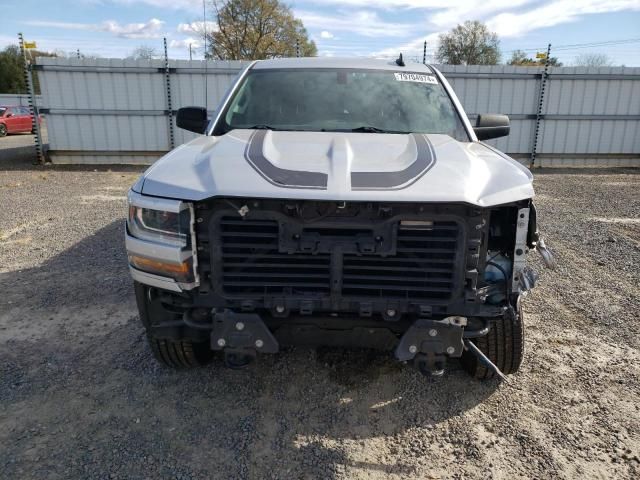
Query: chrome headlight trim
[[166, 246], [160, 220]]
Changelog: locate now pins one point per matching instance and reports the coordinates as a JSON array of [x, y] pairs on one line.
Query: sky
[[379, 28]]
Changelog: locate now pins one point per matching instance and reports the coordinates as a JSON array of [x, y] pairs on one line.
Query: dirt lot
[[81, 396]]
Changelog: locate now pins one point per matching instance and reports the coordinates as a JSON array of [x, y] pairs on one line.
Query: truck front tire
[[503, 345], [178, 353]]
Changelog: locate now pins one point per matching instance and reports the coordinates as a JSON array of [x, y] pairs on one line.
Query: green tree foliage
[[469, 44], [11, 77], [11, 70], [521, 59], [256, 29]]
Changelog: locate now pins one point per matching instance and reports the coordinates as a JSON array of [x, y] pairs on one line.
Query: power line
[[580, 45]]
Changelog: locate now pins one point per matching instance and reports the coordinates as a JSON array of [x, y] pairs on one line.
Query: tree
[[593, 60], [11, 76], [520, 58], [256, 29], [144, 52], [469, 44], [11, 69]]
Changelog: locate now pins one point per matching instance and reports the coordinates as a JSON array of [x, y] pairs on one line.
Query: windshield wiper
[[262, 126], [370, 129]]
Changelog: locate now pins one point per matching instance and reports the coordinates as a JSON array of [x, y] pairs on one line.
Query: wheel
[[178, 353], [3, 130], [503, 345]]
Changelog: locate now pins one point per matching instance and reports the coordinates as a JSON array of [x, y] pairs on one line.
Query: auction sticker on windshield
[[415, 77]]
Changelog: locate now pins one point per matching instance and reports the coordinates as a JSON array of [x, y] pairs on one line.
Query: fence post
[[424, 54], [167, 79], [33, 108], [536, 130], [297, 48]]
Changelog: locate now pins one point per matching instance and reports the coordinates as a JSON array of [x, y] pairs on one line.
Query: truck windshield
[[340, 100]]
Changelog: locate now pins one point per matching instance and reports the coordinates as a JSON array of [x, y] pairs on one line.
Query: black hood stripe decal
[[280, 176], [425, 159]]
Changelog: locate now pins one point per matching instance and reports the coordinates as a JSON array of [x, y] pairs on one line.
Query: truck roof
[[331, 62]]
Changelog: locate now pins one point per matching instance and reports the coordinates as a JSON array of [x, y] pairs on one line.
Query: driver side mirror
[[491, 125], [193, 119]]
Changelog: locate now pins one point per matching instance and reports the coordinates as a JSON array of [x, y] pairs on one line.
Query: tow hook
[[429, 342], [241, 336], [547, 257]]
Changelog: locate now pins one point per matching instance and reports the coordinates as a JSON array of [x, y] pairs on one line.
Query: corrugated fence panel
[[499, 89], [188, 86], [580, 116], [13, 99], [103, 110]]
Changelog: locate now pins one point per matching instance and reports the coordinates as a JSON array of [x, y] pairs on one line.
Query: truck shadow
[[299, 413]]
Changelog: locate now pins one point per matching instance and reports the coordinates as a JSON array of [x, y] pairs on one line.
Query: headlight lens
[[160, 238], [160, 226], [182, 272]]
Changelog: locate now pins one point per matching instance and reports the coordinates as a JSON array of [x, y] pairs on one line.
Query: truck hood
[[338, 166]]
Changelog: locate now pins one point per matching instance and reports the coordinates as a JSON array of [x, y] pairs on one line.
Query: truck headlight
[[161, 239], [161, 226]]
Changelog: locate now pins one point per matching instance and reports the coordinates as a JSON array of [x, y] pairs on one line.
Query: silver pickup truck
[[339, 203]]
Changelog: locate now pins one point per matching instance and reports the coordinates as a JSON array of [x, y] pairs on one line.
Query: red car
[[15, 120]]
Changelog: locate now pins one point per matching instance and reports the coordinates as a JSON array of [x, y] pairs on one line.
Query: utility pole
[[539, 114], [167, 79], [33, 109]]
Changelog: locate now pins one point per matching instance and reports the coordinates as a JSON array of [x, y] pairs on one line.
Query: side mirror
[[9, 114], [193, 119], [491, 125]]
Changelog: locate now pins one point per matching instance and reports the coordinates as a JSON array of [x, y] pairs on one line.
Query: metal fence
[[123, 111], [117, 110], [19, 99], [589, 116]]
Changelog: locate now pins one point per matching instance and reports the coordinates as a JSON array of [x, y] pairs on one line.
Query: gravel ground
[[81, 396]]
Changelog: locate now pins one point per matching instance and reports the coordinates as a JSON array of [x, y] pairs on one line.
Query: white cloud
[[184, 43], [554, 13], [192, 5], [413, 47], [504, 22], [326, 35], [197, 28], [150, 29], [363, 23], [459, 11]]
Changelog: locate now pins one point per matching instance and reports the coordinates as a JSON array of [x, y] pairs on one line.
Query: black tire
[[3, 130], [178, 353], [504, 345]]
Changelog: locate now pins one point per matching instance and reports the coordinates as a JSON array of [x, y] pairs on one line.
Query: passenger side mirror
[[491, 125], [193, 119]]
